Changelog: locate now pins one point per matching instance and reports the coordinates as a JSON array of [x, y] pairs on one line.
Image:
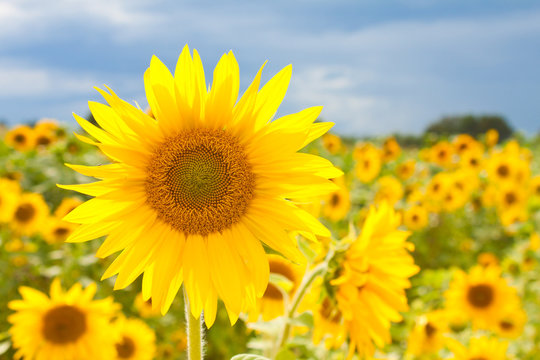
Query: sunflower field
[[428, 252]]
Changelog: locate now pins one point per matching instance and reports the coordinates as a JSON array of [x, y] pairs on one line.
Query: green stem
[[298, 296], [194, 332]]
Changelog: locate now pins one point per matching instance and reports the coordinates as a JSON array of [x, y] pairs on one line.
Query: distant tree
[[473, 125]]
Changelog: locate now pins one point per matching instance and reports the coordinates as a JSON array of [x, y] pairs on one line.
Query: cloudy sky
[[376, 66]]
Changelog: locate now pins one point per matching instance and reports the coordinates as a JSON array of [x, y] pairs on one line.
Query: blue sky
[[375, 66]]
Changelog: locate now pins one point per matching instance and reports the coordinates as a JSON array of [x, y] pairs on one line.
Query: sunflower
[[205, 181], [338, 203], [390, 190], [427, 335], [66, 206], [482, 294], [442, 153], [416, 217], [271, 304], [332, 143], [390, 149], [368, 162], [135, 340], [406, 169], [30, 213], [56, 231], [511, 323], [492, 137], [535, 186], [508, 166], [480, 348], [68, 325], [144, 307], [9, 198], [21, 138], [328, 324], [374, 275], [464, 143]]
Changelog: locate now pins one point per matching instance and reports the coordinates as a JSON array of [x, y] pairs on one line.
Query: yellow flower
[[416, 217], [56, 231], [144, 307], [66, 206], [337, 204], [482, 295], [406, 169], [480, 348], [332, 143], [371, 285], [21, 138], [68, 325], [507, 167], [465, 143], [535, 186], [492, 137], [486, 259], [30, 214], [191, 196], [390, 190], [442, 153], [271, 304], [473, 160], [45, 131], [9, 198], [427, 336], [511, 323], [328, 325], [391, 149], [534, 242], [136, 341], [368, 162]]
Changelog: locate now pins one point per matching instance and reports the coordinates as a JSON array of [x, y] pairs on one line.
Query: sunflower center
[[506, 325], [503, 171], [61, 232], [510, 198], [19, 138], [334, 200], [125, 348], [430, 330], [25, 213], [272, 291], [64, 324], [200, 181], [43, 140], [480, 296]]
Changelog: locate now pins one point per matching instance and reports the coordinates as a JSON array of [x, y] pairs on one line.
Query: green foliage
[[471, 124]]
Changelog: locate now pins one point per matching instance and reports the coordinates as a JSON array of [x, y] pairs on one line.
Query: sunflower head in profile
[[30, 214], [371, 294], [134, 340], [68, 324], [21, 138], [192, 192], [481, 295], [272, 303]]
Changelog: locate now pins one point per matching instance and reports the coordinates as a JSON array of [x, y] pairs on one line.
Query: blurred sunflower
[[56, 231], [66, 206], [511, 323], [144, 307], [492, 137], [332, 143], [482, 295], [406, 169], [9, 198], [328, 324], [390, 149], [464, 143], [442, 153], [427, 335], [68, 325], [416, 217], [389, 189], [368, 162], [271, 304], [21, 138], [136, 341], [372, 280], [338, 203], [205, 181], [30, 214], [480, 348]]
